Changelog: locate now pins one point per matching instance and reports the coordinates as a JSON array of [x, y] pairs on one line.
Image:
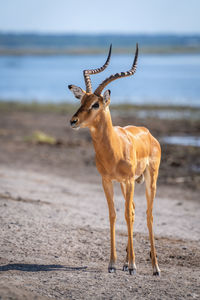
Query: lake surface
[[182, 140], [160, 79]]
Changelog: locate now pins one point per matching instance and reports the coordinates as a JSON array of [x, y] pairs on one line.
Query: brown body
[[126, 155]]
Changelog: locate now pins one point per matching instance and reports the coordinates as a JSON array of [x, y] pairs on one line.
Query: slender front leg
[[130, 216], [108, 189]]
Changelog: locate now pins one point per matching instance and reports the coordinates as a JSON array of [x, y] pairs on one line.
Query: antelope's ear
[[77, 91], [106, 97]]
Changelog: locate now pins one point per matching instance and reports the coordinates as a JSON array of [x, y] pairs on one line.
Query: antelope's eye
[[95, 105]]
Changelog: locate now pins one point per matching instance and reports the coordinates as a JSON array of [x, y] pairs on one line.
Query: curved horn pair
[[87, 73], [100, 88]]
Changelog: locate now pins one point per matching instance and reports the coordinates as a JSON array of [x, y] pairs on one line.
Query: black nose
[[73, 122]]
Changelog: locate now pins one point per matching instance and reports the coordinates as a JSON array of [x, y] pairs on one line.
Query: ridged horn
[[87, 73], [118, 75]]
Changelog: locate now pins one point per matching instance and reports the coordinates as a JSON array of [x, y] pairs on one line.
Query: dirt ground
[[54, 217]]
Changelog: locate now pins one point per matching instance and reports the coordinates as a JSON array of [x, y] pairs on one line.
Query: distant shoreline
[[80, 44], [61, 107], [97, 51]]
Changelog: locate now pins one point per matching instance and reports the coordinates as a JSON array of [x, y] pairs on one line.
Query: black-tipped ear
[[77, 91]]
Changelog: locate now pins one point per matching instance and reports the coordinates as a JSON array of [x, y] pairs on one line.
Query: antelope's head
[[93, 103]]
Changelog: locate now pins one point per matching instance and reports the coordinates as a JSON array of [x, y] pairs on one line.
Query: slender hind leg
[[108, 189], [125, 266], [151, 175], [129, 216]]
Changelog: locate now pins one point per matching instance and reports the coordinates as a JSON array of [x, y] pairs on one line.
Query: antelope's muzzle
[[73, 122]]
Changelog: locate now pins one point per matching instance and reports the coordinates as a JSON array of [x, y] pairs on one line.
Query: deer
[[124, 154]]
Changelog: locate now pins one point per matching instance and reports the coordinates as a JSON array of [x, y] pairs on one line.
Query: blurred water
[[182, 140], [160, 79]]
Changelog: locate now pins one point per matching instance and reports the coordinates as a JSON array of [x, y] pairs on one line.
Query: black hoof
[[112, 270], [132, 271], [157, 273], [125, 268]]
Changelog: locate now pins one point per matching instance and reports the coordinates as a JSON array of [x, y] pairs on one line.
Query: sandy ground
[[55, 228]]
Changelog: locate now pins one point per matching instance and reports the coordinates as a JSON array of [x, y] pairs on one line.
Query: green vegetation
[[39, 137], [36, 107], [128, 107], [67, 107]]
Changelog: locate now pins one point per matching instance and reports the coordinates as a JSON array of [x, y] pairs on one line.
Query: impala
[[125, 154]]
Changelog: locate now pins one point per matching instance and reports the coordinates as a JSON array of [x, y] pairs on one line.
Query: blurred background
[[45, 45]]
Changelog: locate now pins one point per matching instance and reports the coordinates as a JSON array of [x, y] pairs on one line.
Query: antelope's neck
[[102, 132]]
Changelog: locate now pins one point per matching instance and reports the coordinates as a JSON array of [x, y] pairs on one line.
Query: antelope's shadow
[[39, 268]]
